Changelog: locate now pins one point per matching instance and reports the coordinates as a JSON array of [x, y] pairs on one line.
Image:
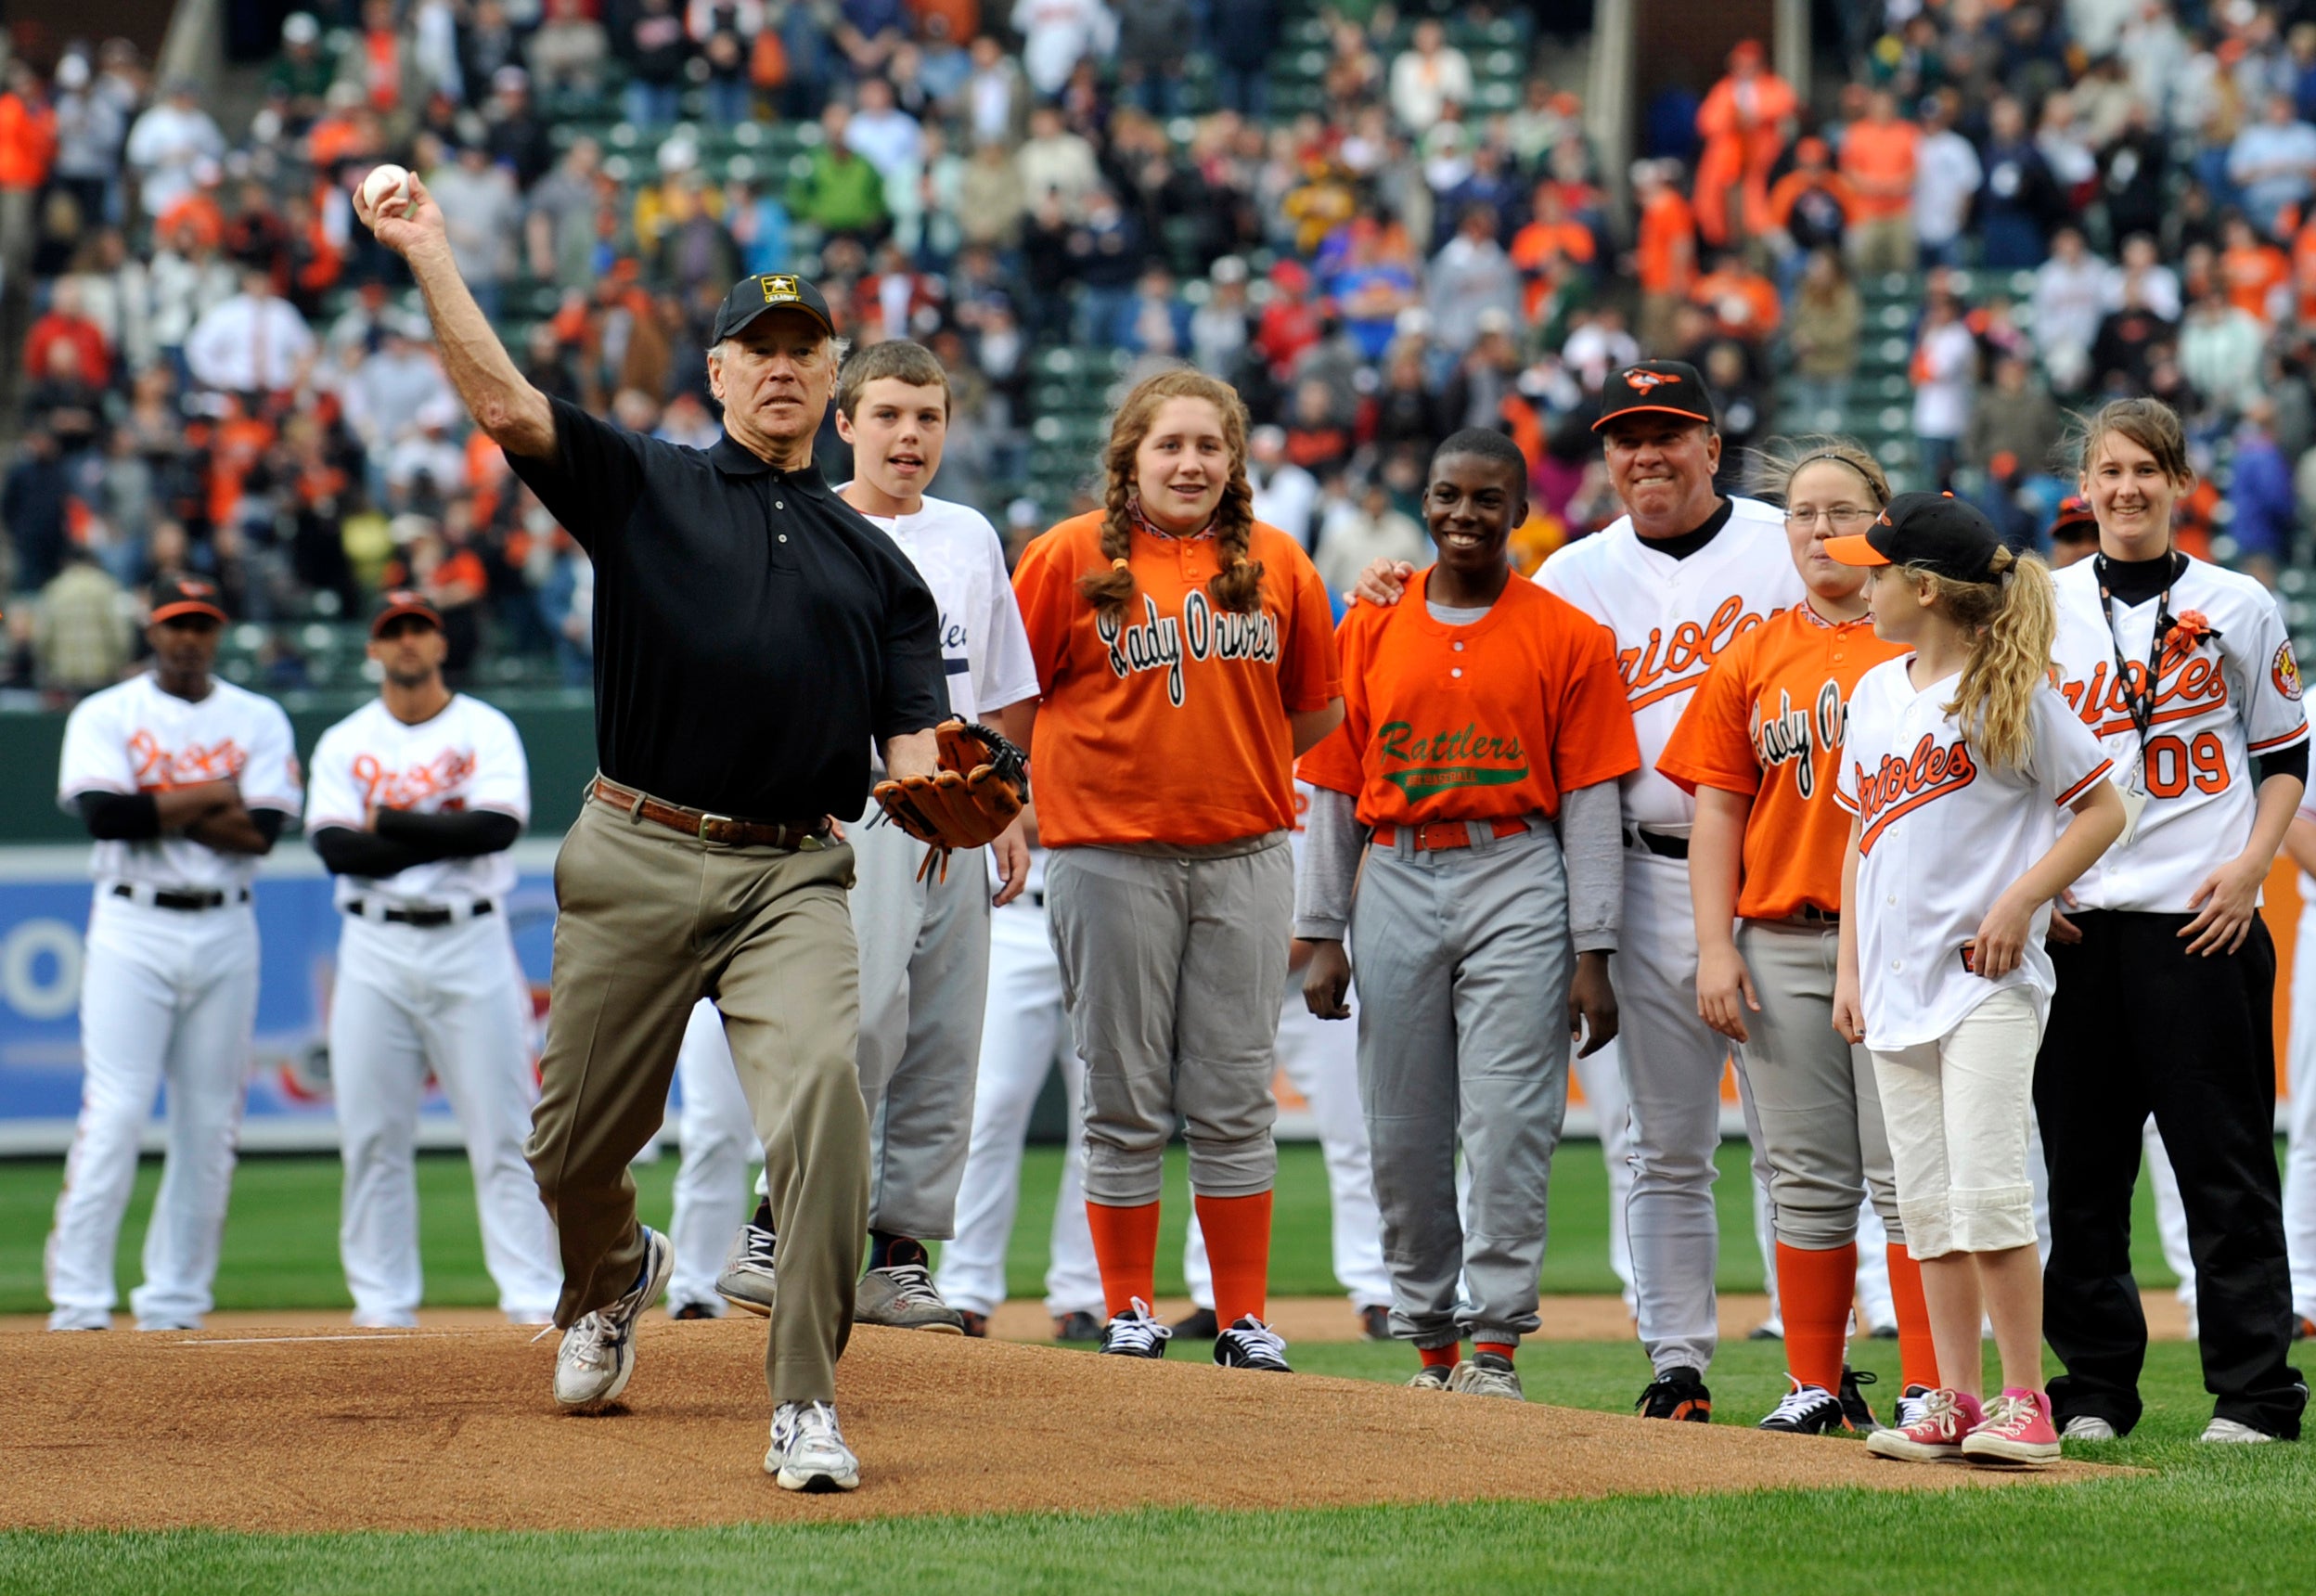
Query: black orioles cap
[[1656, 387], [1936, 531]]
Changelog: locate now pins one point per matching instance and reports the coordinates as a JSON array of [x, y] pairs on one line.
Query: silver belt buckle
[[706, 820]]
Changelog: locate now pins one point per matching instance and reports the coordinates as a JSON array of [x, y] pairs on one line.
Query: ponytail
[[2011, 622]]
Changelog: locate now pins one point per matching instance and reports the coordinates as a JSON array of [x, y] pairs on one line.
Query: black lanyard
[[2139, 700]]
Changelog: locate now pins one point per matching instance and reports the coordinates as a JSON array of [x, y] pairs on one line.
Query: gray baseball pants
[[1463, 960], [1172, 963], [1814, 1098], [925, 980]]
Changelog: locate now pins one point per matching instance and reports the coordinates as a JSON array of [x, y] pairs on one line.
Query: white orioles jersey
[[468, 757], [1942, 834], [134, 737], [1672, 619], [984, 647], [2222, 699]]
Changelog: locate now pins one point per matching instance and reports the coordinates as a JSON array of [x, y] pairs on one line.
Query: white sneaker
[[808, 1451], [1487, 1374], [2230, 1430], [2088, 1427], [599, 1353], [1431, 1377]]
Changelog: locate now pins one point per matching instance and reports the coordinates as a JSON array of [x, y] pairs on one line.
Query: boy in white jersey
[[185, 782], [924, 936], [416, 797]]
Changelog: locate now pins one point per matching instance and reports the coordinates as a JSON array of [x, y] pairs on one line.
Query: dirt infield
[[439, 1429]]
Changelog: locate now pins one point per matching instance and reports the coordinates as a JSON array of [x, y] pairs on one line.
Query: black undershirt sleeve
[[457, 835], [269, 823], [119, 816], [2292, 761], [348, 853]]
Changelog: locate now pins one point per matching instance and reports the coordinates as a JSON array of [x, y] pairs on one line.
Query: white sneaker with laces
[[2232, 1431], [1913, 1403], [599, 1353], [1487, 1374], [901, 1296], [746, 1278], [1431, 1377], [2087, 1427], [808, 1451]]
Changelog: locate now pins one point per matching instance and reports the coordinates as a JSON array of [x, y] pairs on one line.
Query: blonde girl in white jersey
[[1957, 760]]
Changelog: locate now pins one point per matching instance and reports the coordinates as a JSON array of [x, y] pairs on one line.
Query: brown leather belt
[[719, 829]]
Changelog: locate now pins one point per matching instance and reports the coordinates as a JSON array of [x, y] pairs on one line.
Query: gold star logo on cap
[[779, 289]]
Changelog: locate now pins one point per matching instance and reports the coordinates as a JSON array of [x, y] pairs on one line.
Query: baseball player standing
[[1957, 760], [2184, 672], [923, 933], [1758, 747], [415, 799], [753, 635], [1187, 655], [185, 782], [1680, 577], [1484, 727]]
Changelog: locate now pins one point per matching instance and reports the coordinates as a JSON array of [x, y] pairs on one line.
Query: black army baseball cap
[[1937, 531], [178, 596], [1658, 387], [751, 297]]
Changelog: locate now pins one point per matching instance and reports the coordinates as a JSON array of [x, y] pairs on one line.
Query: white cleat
[[808, 1451], [599, 1353], [2230, 1431], [2087, 1427]]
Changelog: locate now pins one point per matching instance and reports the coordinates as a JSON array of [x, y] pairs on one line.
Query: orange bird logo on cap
[[1646, 382]]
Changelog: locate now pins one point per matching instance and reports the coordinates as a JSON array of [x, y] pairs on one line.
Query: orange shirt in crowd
[[1879, 162], [28, 143], [1798, 182], [1482, 722], [1753, 290], [1169, 723], [1542, 250], [1768, 724], [2251, 276], [1665, 255], [2304, 271]]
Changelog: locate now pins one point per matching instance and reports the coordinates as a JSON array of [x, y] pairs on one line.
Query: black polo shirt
[[752, 632]]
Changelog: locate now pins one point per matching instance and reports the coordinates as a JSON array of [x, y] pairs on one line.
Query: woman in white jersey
[[1957, 759], [2184, 671]]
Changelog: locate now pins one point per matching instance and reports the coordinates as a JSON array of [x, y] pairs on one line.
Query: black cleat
[[1806, 1411], [1250, 1343], [1678, 1394], [1199, 1324], [1078, 1326], [1375, 1322], [1854, 1408], [1135, 1333]]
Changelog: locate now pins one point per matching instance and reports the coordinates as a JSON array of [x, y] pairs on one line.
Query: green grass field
[[2197, 1518]]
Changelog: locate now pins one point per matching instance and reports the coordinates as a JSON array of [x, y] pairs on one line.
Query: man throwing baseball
[[754, 636], [416, 798]]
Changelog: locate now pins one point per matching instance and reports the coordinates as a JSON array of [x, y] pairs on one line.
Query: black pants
[[2140, 1026]]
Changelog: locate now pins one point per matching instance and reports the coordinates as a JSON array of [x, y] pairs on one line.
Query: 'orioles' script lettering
[[1792, 736], [438, 778], [2196, 685], [1162, 642], [1902, 786], [1664, 667], [160, 770]]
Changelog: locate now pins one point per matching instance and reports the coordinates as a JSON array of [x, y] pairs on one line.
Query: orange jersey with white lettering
[[1485, 721], [1672, 620], [1168, 723], [1768, 723]]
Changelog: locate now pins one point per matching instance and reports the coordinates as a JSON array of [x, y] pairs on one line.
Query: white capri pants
[[1960, 1112]]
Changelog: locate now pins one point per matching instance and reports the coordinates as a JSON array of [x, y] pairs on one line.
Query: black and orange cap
[[399, 602], [2075, 516], [1936, 531], [174, 597], [1656, 387]]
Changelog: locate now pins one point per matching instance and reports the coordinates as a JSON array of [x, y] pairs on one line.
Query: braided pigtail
[[1112, 588], [1238, 586]]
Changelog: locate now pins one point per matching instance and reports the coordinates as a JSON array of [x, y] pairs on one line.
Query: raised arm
[[503, 404]]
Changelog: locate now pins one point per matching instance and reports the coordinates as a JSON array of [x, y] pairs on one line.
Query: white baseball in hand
[[387, 186]]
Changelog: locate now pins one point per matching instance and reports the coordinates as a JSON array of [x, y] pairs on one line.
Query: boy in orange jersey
[[1757, 747], [1485, 728], [1184, 657]]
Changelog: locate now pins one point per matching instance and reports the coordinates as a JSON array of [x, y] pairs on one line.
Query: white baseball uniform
[[924, 940], [427, 983], [1671, 618], [168, 994], [2299, 1168]]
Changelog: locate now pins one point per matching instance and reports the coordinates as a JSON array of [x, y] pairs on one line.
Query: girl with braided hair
[[1185, 657]]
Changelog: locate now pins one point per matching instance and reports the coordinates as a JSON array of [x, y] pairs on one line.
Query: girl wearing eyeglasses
[[1758, 746]]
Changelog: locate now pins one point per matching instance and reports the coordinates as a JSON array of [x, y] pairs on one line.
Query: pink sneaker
[[2018, 1432], [1936, 1436]]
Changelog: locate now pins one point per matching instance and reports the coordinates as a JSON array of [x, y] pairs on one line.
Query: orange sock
[[1916, 1356], [1125, 1246], [1813, 1288], [1503, 1349], [1238, 1246], [1446, 1357]]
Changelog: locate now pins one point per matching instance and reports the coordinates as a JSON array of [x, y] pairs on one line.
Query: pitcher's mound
[[439, 1430]]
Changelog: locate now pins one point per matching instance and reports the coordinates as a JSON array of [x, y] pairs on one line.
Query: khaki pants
[[651, 922], [1883, 244]]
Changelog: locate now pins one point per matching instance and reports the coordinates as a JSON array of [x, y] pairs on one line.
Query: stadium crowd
[[218, 370]]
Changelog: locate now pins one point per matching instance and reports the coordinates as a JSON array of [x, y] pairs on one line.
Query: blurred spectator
[[997, 96], [166, 144], [2273, 162], [1947, 176], [1810, 207], [2254, 274], [32, 501], [2069, 298], [1154, 39], [1827, 315], [1243, 34], [28, 149], [253, 342], [92, 131], [1285, 494], [2020, 202], [992, 198], [1429, 76], [2262, 513], [64, 323], [1471, 276], [2130, 339], [2220, 344], [1665, 253], [1055, 160], [883, 135], [655, 48], [2158, 284], [1104, 253], [1880, 156], [81, 636], [1361, 531], [1744, 123], [840, 194], [568, 50], [1057, 34], [2015, 416], [1943, 372], [560, 217]]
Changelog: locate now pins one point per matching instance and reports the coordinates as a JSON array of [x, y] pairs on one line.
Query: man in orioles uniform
[[1484, 731], [1680, 577]]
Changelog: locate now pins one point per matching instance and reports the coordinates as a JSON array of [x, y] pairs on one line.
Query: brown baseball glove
[[979, 789]]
